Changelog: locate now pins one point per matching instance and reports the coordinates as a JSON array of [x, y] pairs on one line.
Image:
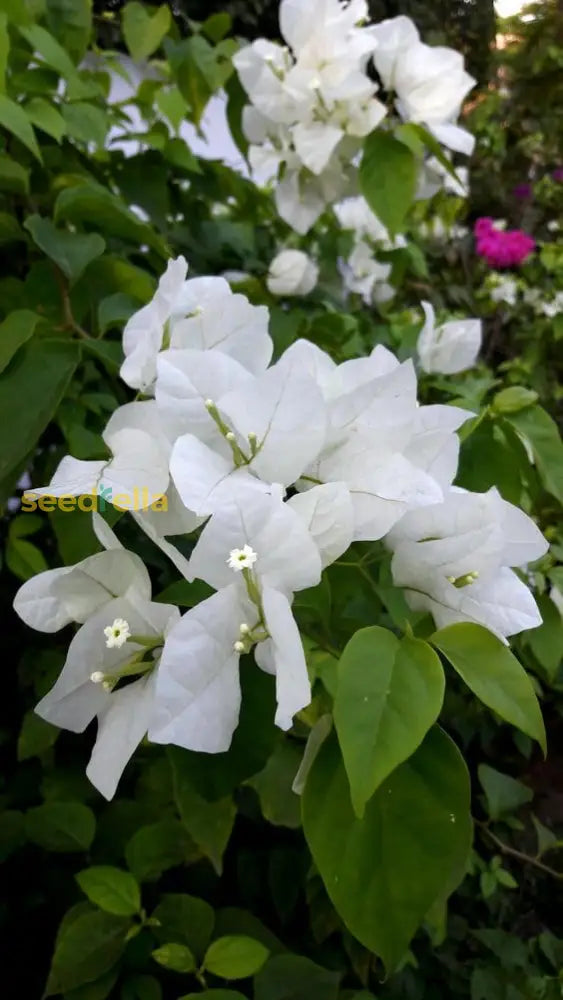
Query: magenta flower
[[502, 248], [522, 191], [558, 174]]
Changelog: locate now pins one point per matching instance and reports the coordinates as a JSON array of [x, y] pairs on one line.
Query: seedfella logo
[[98, 499]]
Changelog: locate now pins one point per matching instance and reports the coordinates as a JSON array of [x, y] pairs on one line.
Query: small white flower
[[117, 633], [97, 677], [292, 272], [242, 558]]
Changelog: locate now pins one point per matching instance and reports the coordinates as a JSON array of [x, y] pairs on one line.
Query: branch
[[70, 322], [520, 855]]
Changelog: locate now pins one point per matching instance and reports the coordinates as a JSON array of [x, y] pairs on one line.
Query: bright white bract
[[314, 100]]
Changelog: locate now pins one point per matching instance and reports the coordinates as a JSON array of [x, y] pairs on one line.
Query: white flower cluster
[[313, 100], [362, 272], [287, 465], [504, 288], [450, 348]]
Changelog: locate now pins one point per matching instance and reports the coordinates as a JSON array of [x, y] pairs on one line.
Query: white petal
[[105, 535], [298, 203], [53, 599], [328, 514], [293, 691], [197, 698], [454, 137], [122, 724], [186, 379], [230, 324], [315, 144], [205, 479]]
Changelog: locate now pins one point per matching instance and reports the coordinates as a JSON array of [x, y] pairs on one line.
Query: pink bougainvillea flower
[[502, 248]]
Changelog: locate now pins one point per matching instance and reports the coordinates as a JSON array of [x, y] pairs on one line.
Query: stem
[[520, 855], [70, 322]]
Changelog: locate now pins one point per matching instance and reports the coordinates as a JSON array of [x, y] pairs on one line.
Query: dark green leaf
[[61, 826], [388, 173], [70, 21], [209, 823], [94, 204], [155, 848], [111, 889], [542, 434], [16, 329], [504, 794], [292, 977], [72, 252], [36, 736], [87, 947], [185, 920], [40, 372], [46, 117], [14, 119], [385, 871]]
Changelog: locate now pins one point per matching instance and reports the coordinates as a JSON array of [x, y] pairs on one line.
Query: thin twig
[[70, 322], [514, 853]]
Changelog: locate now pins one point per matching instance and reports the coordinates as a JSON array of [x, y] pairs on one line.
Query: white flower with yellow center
[[117, 633], [240, 559]]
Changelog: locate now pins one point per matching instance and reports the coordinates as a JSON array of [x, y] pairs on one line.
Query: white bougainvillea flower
[[434, 447], [362, 272], [224, 321], [292, 272], [53, 599], [261, 525], [454, 560], [393, 39], [450, 348], [123, 712], [198, 694], [116, 635], [273, 430], [144, 331]]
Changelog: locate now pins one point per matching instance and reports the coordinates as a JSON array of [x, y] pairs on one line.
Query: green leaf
[[385, 871], [16, 329], [14, 119], [209, 823], [86, 123], [235, 957], [40, 372], [513, 399], [87, 947], [389, 694], [143, 33], [388, 174], [155, 848], [214, 995], [115, 310], [4, 51], [98, 989], [176, 957], [494, 675], [542, 434], [504, 794], [61, 826], [293, 977], [24, 559], [141, 988], [51, 52], [46, 117], [13, 177], [111, 889], [546, 641], [70, 21], [195, 67], [97, 205], [36, 736], [10, 230], [72, 252], [186, 920], [279, 803], [217, 26], [12, 832]]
